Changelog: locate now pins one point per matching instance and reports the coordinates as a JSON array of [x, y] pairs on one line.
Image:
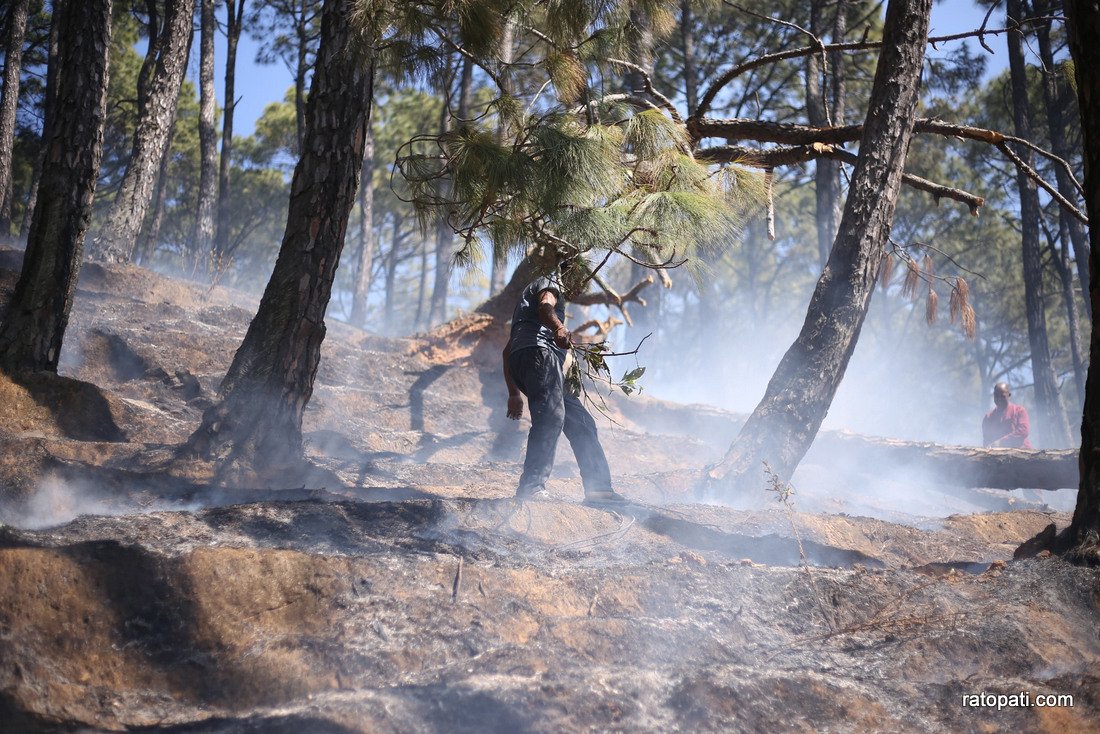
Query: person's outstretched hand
[[515, 407]]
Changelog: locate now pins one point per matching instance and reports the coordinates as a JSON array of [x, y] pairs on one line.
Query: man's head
[[1001, 394]]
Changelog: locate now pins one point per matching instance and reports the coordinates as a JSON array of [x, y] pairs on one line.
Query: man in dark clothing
[[1006, 426], [533, 361]]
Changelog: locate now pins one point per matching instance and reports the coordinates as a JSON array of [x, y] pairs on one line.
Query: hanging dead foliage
[[912, 279], [969, 321], [932, 306], [886, 273]]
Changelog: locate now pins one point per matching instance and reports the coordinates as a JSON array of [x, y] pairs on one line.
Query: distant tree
[[367, 240], [1053, 429], [9, 99], [234, 23], [781, 429], [34, 324], [202, 243], [156, 115], [1083, 534]]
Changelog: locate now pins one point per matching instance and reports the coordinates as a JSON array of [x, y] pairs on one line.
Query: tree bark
[[257, 425], [135, 193], [151, 236], [1054, 98], [9, 101], [687, 47], [34, 324], [233, 25], [202, 237], [53, 64], [785, 422], [1083, 533], [366, 235], [1051, 422], [444, 235]]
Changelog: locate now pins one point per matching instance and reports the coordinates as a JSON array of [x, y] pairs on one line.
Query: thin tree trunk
[[1053, 97], [135, 193], [148, 243], [391, 276], [233, 26], [257, 425], [444, 235], [500, 259], [154, 41], [1083, 533], [1053, 428], [202, 238], [422, 290], [53, 64], [1061, 260], [826, 171], [366, 235], [785, 422], [34, 323], [9, 101], [687, 47]]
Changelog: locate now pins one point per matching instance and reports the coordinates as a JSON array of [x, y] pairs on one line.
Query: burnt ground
[[406, 591]]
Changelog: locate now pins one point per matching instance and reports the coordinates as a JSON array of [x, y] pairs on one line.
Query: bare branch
[[1034, 175], [665, 102]]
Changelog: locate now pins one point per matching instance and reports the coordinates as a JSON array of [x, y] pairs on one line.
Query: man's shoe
[[604, 496], [535, 493]]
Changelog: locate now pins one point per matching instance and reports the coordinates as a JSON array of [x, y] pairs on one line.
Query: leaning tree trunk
[[135, 193], [34, 324], [366, 235], [9, 100], [1084, 37], [785, 422], [202, 237], [1052, 425], [258, 422], [234, 24]]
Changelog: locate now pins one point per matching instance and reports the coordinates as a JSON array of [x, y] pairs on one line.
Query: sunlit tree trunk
[[9, 101], [1053, 430], [34, 324], [498, 273], [256, 428], [784, 424], [150, 239], [1084, 36], [202, 237], [233, 25], [135, 193]]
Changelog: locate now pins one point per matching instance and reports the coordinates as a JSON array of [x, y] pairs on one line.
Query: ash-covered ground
[[404, 590]]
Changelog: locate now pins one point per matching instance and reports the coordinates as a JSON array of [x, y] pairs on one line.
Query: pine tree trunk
[[202, 238], [147, 244], [135, 193], [1054, 96], [826, 171], [687, 48], [34, 323], [233, 26], [366, 235], [498, 272], [1053, 430], [257, 425], [9, 101], [444, 234], [785, 422], [1084, 37], [1061, 260], [300, 72], [53, 64]]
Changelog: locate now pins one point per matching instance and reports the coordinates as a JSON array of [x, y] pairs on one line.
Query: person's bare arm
[[549, 319], [515, 399]]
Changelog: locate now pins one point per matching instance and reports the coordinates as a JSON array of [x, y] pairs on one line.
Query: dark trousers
[[537, 372]]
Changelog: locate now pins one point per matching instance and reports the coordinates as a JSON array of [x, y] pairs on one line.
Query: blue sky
[[261, 84]]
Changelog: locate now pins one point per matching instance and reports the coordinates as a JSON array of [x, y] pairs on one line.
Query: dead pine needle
[[969, 322], [932, 306], [457, 585], [886, 272], [912, 280]]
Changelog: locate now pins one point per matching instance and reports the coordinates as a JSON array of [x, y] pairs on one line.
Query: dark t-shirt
[[527, 330]]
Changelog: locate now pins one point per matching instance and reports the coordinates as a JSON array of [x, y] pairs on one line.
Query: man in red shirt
[[1005, 426]]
